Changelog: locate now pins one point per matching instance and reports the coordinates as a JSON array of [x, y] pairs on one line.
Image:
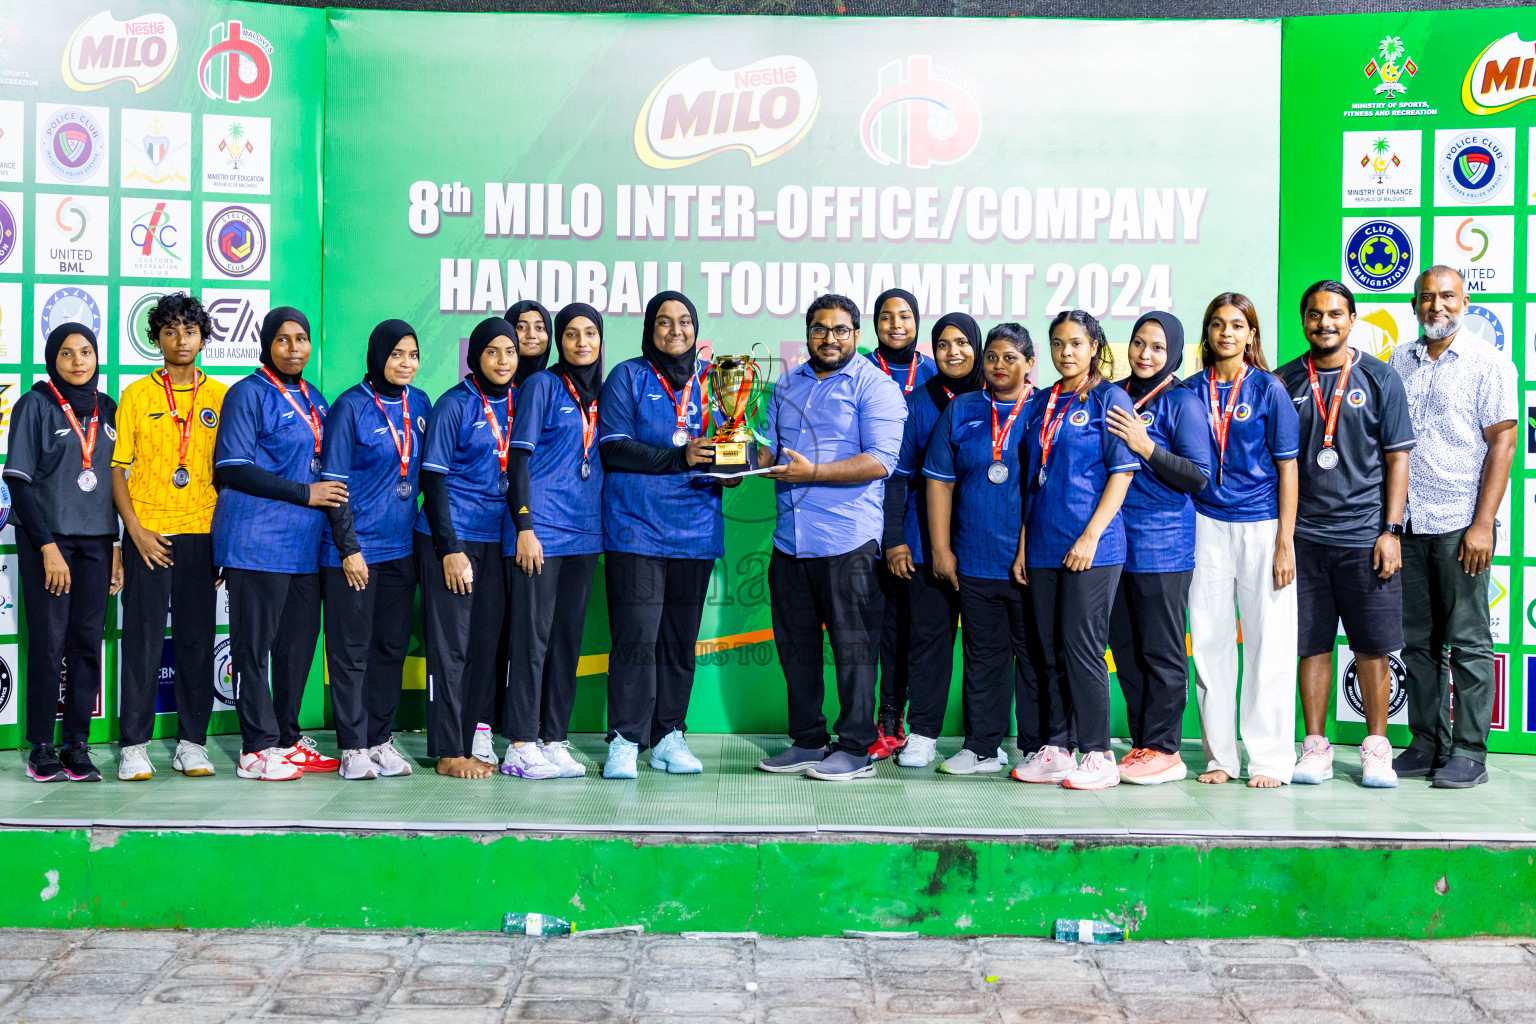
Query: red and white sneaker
[[267, 766], [893, 735], [1046, 766], [306, 757]]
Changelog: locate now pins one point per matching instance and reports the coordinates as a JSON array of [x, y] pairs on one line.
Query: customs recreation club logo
[[1379, 255], [762, 109], [136, 325], [237, 66], [237, 241], [1473, 166], [1399, 680], [104, 50], [1390, 64], [72, 144], [7, 232], [921, 116], [153, 233], [1501, 76], [71, 305]]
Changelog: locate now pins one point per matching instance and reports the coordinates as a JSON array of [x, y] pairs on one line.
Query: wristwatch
[[1395, 529]]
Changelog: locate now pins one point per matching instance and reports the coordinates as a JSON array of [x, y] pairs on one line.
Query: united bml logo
[[921, 116]]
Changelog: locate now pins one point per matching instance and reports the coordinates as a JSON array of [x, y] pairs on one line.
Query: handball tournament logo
[[921, 116], [237, 241], [72, 144], [762, 109], [1473, 167], [1379, 255], [237, 66]]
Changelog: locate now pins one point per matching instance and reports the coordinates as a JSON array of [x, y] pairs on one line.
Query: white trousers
[[1234, 579]]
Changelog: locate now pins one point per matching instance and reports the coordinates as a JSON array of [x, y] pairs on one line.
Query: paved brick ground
[[463, 978]]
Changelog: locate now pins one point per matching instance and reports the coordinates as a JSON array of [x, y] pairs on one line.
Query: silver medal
[[586, 469], [997, 472], [502, 484], [1041, 477], [86, 479], [679, 437], [314, 465], [1327, 458], [181, 477], [403, 490]]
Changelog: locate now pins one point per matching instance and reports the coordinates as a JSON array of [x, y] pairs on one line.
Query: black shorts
[[1334, 583]]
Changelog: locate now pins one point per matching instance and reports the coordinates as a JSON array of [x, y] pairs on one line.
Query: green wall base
[[786, 886]]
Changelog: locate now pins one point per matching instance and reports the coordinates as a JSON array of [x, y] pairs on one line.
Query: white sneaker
[[133, 763], [967, 762], [356, 764], [1376, 760], [192, 759], [919, 751], [1002, 756], [267, 766], [1098, 771], [388, 760], [1047, 766], [559, 755], [482, 749], [528, 762], [1316, 764]]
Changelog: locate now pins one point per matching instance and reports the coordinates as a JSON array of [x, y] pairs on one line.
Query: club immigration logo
[[237, 241], [70, 305], [1396, 701], [136, 325], [1390, 62], [762, 109], [104, 50], [921, 116], [1473, 167], [72, 144], [1379, 255], [237, 66], [1501, 76]]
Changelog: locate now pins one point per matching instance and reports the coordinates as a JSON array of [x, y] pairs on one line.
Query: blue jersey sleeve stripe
[[1400, 447], [614, 437], [525, 445], [334, 476], [235, 462], [1285, 455], [434, 467], [1128, 468], [931, 475]]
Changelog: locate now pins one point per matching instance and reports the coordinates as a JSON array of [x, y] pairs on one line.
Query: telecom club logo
[[237, 241]]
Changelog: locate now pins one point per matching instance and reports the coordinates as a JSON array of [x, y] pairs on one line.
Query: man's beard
[[1441, 331], [817, 363]]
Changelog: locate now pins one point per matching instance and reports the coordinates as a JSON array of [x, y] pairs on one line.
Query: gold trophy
[[735, 385]]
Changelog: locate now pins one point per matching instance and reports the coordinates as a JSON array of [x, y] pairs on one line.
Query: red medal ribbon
[[1221, 420], [1000, 437], [1048, 429], [681, 403], [1144, 399], [87, 440], [588, 419], [404, 451], [184, 425], [1331, 414], [911, 370], [503, 441], [313, 416]]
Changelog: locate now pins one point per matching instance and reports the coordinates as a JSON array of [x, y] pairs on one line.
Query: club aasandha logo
[[1501, 76], [922, 115], [762, 109], [237, 66], [1390, 64], [104, 50]]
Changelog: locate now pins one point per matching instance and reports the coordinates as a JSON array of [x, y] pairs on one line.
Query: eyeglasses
[[842, 332]]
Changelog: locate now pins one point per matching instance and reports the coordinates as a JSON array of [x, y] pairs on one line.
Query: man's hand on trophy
[[699, 451]]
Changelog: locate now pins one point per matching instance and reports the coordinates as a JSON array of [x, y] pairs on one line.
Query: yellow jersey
[[149, 448]]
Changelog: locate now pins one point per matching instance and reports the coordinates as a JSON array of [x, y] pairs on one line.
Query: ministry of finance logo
[[72, 144], [237, 241], [1379, 255], [1473, 166]]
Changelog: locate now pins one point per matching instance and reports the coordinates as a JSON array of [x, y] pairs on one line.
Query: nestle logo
[[745, 79], [762, 109]]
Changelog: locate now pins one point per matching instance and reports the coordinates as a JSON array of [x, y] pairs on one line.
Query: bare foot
[[1215, 778], [1263, 782], [464, 768]]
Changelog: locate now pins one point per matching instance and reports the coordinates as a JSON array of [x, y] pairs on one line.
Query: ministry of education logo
[[71, 305], [237, 241], [1379, 255], [72, 144], [1473, 166]]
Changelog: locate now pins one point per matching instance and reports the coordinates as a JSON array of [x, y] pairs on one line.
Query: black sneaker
[[1414, 763], [1460, 773], [77, 763], [43, 764]]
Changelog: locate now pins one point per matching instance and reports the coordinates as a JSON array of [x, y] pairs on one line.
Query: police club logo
[[71, 305], [1379, 255], [5, 514], [1473, 166], [237, 241], [1399, 679], [1078, 418], [73, 144]]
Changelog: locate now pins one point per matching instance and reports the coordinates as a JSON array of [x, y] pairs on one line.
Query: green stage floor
[[732, 797]]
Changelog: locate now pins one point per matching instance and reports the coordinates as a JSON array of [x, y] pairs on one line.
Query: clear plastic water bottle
[[535, 924], [1071, 929]]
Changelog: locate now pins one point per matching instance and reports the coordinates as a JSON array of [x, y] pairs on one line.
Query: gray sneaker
[[968, 763], [841, 766], [793, 761]]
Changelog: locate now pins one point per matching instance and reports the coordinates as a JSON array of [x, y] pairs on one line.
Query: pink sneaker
[[1047, 766], [1098, 771], [1145, 767], [1316, 764]]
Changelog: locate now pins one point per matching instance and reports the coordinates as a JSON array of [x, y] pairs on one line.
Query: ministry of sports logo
[[1379, 255], [237, 241], [921, 116], [1473, 166], [1399, 679], [1389, 52], [71, 305], [72, 144]]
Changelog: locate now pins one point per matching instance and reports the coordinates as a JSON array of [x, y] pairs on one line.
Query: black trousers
[[1146, 634], [367, 633], [654, 609], [933, 617], [895, 641], [64, 634], [1003, 660], [461, 641], [1072, 611], [842, 593], [274, 620], [187, 588], [548, 612]]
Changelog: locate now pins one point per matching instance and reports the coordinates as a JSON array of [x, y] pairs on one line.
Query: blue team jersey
[[922, 415], [668, 515], [926, 368], [461, 445], [258, 427], [1160, 521], [567, 510], [1083, 456], [360, 452], [1263, 428], [986, 518]]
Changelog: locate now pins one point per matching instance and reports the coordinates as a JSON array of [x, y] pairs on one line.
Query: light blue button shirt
[[857, 409]]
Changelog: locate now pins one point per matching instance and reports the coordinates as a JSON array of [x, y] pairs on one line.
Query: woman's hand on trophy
[[699, 451], [797, 470]]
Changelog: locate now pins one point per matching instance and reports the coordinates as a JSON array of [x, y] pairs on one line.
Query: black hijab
[[1136, 386], [897, 356], [677, 369], [485, 332], [972, 381], [587, 380], [81, 397], [527, 366], [269, 327], [381, 343]]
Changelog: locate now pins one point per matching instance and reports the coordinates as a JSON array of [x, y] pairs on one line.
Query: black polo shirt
[[45, 451]]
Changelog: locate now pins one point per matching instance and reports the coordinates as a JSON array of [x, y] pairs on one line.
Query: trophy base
[[734, 456]]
